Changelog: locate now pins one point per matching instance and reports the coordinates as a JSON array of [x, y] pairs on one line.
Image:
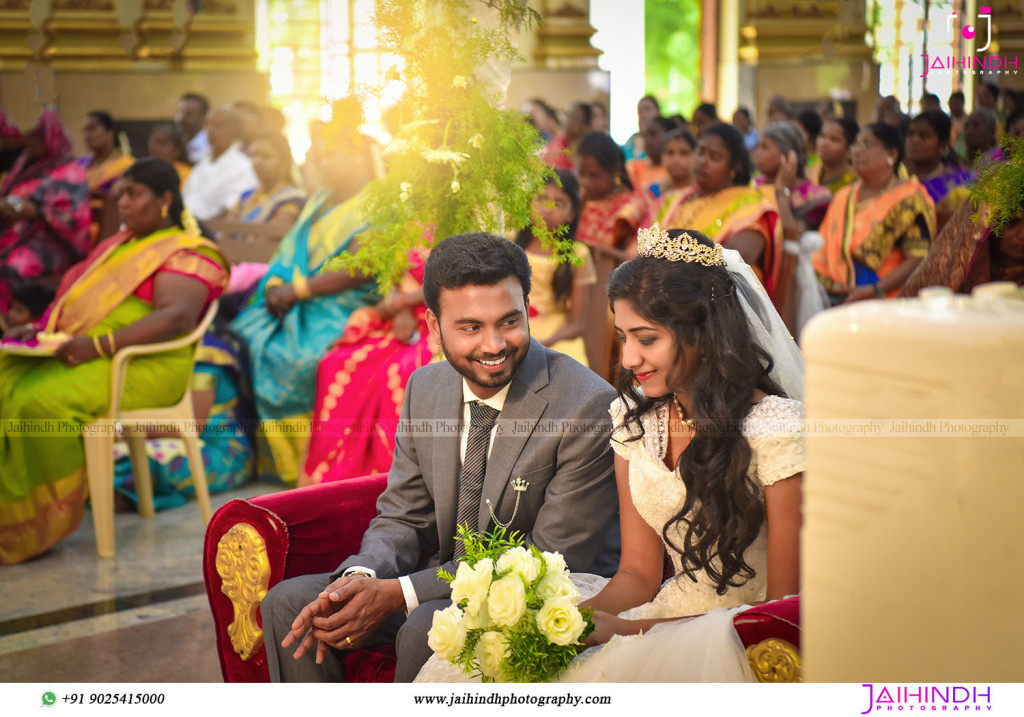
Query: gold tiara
[[654, 242]]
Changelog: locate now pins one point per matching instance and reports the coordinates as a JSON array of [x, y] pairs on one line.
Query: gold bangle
[[98, 346], [110, 343], [301, 287]]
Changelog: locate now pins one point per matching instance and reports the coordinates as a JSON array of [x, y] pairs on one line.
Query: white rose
[[560, 622], [447, 635], [491, 651], [521, 562], [555, 562], [480, 621], [556, 585], [506, 602], [472, 584]]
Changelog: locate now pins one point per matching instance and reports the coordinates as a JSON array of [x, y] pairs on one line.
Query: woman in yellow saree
[[724, 207], [146, 284]]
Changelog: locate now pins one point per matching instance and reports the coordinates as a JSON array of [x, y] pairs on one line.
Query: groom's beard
[[471, 370]]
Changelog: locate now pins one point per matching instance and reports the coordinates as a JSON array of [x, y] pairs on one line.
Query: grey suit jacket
[[553, 432]]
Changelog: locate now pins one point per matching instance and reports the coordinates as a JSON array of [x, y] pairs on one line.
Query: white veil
[[766, 326]]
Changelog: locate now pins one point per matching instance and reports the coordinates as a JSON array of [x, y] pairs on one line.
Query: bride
[[709, 461]]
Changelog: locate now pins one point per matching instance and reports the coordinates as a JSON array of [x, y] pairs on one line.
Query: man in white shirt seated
[[218, 180]]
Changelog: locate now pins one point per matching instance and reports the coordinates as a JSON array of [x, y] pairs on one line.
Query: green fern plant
[[1000, 185], [457, 162]]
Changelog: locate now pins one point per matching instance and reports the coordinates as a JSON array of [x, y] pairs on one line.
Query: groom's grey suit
[[553, 433]]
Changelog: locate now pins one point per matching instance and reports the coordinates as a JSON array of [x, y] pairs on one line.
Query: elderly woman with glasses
[[877, 229]]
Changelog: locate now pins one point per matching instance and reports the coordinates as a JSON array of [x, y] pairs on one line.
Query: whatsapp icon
[[49, 699]]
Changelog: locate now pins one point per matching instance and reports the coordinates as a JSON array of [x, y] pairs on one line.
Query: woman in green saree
[[146, 284], [298, 313]]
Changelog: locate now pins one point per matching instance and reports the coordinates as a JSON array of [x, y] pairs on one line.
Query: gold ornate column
[[561, 64], [159, 35], [563, 39], [15, 29], [807, 51], [1007, 33], [84, 35], [220, 36]]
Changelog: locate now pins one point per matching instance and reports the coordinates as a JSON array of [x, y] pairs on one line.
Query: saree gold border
[[244, 569], [775, 660], [26, 509]]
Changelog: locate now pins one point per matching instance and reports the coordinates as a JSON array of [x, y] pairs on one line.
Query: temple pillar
[[221, 35], [807, 51], [16, 28], [83, 35], [561, 65], [1007, 42], [132, 58], [160, 30]]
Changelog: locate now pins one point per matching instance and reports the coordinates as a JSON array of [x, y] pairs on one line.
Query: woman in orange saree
[[876, 230], [147, 284], [724, 207]]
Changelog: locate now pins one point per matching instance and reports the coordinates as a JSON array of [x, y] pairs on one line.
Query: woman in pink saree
[[44, 209], [361, 384]]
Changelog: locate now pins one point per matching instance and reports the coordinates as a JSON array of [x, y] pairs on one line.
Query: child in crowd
[[649, 172], [677, 156], [561, 291], [28, 303]]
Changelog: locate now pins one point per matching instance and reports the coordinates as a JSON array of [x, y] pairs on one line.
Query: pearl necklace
[[688, 422]]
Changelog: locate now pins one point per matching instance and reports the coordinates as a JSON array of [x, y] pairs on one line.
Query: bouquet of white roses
[[513, 616]]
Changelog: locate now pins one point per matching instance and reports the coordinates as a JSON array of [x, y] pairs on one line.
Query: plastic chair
[[99, 440]]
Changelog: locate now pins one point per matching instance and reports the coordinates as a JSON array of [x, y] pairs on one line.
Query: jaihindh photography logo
[[987, 65], [927, 698]]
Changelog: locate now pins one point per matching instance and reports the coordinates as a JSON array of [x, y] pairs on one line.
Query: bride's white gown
[[699, 649]]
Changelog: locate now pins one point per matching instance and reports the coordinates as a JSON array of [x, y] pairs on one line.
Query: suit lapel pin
[[519, 486]]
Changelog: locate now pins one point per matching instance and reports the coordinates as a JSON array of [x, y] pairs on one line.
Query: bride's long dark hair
[[723, 511]]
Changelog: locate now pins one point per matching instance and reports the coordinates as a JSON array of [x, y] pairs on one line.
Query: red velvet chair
[[251, 545], [771, 634]]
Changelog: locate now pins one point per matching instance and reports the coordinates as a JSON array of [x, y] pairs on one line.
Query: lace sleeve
[[620, 434], [774, 429]]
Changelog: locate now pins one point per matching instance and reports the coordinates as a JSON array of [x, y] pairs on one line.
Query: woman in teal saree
[[297, 313]]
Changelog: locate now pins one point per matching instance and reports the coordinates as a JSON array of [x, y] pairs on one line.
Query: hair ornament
[[189, 223], [655, 243]]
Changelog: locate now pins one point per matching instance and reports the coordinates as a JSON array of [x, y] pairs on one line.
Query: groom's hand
[[357, 608], [303, 623]]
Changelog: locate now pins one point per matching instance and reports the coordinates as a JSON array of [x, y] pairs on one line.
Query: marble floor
[[69, 616]]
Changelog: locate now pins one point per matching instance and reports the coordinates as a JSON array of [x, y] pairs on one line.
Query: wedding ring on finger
[[348, 640]]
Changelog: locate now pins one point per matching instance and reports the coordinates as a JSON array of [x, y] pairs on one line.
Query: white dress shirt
[[497, 402], [198, 147], [214, 185]]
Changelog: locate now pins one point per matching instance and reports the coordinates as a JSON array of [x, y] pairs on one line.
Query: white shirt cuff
[[409, 592]]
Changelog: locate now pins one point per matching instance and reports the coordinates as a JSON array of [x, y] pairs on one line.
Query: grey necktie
[[474, 465]]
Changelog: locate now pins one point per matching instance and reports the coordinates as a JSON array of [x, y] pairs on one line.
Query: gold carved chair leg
[[775, 660], [244, 569]]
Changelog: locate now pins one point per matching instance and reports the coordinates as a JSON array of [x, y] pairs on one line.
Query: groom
[[506, 432]]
